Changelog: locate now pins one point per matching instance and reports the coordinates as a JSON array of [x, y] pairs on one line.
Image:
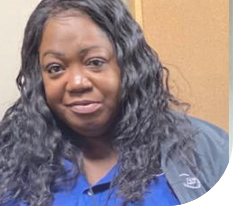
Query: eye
[[54, 69], [96, 62]]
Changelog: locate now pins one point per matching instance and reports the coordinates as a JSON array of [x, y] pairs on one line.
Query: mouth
[[84, 107]]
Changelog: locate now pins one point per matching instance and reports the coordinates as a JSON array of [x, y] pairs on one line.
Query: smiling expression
[[80, 73]]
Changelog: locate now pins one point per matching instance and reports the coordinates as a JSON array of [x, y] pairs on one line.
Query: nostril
[[79, 84]]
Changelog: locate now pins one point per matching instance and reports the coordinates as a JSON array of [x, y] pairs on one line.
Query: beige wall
[[13, 17], [192, 40]]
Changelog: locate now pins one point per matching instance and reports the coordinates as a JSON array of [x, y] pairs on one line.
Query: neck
[[97, 148], [98, 159]]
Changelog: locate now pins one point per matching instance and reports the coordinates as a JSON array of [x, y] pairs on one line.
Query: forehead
[[73, 26]]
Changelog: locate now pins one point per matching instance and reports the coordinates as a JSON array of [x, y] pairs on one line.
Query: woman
[[94, 124]]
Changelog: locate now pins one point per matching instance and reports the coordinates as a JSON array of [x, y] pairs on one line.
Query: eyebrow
[[86, 50], [54, 53], [81, 52]]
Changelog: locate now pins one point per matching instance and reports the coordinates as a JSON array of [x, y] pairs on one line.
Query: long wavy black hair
[[33, 144]]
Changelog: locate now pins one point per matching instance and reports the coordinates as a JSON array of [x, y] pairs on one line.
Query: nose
[[78, 83]]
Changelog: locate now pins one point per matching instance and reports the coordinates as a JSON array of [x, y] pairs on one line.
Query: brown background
[[192, 40]]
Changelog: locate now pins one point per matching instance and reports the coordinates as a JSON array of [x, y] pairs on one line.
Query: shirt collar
[[82, 184]]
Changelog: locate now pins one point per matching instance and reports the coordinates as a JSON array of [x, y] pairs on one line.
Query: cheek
[[114, 91], [53, 93], [116, 87], [50, 97]]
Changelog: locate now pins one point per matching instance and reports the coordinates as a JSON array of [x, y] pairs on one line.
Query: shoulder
[[209, 130], [209, 138], [211, 149], [209, 158]]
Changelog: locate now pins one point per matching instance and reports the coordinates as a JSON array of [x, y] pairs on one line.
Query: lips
[[84, 106]]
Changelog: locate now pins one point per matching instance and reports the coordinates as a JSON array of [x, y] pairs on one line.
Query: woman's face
[[80, 74]]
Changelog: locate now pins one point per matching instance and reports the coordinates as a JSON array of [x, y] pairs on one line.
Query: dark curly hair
[[33, 144]]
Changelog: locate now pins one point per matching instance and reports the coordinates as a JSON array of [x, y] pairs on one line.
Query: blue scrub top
[[159, 193]]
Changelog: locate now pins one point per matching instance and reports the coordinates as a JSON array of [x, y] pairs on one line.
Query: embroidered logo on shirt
[[191, 182]]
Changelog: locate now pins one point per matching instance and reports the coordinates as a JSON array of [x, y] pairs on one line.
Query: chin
[[90, 129], [91, 132], [88, 125]]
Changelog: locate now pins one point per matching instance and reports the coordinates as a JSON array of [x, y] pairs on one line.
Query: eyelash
[[94, 63], [96, 60], [50, 68]]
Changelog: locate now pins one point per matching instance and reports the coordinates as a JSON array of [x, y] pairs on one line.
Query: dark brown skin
[[82, 85]]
